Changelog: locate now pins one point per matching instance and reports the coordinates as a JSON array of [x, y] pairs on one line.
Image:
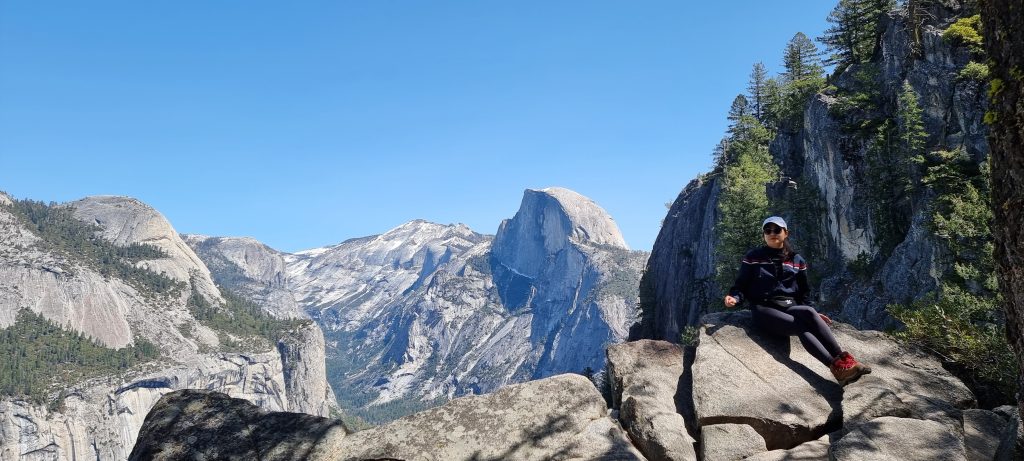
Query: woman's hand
[[730, 301], [825, 318]]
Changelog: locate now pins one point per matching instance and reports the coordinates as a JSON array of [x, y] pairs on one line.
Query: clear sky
[[303, 124]]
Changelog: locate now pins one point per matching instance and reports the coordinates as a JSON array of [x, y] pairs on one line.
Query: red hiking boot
[[847, 369]]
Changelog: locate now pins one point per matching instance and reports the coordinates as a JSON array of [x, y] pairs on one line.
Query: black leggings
[[805, 323]]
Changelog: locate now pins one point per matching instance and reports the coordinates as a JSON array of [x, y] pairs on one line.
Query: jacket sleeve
[[803, 293], [742, 281]]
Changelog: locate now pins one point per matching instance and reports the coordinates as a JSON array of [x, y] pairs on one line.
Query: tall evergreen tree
[[910, 125], [855, 30], [740, 108], [756, 88], [801, 59]]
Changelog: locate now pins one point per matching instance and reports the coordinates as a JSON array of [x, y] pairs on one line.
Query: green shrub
[[689, 336], [968, 333], [974, 71], [966, 31]]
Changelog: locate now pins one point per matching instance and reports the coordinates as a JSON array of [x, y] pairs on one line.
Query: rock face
[[645, 377], [426, 312], [125, 221], [888, 438], [193, 424], [252, 269], [100, 418], [824, 157], [562, 417], [684, 250]]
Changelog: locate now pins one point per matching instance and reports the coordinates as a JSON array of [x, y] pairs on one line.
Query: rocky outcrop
[[742, 376], [752, 397], [194, 424], [683, 251], [303, 355], [562, 417], [646, 377]]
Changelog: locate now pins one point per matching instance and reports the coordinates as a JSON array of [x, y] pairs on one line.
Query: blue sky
[[303, 124]]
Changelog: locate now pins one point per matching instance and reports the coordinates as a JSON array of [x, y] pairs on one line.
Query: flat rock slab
[[982, 432], [645, 375], [926, 390], [890, 438], [199, 424], [776, 387], [558, 418], [730, 442], [742, 376]]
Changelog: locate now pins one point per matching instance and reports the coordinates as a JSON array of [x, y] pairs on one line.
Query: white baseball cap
[[775, 220]]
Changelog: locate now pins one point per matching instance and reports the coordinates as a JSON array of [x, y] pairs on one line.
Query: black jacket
[[764, 275]]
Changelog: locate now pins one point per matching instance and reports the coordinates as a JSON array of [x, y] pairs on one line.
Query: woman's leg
[[781, 323], [817, 327]]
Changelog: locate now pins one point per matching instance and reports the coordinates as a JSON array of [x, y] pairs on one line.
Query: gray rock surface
[[775, 386], [890, 438], [982, 431], [194, 424], [683, 250], [645, 377], [1011, 443], [562, 417], [771, 384], [729, 442], [250, 268], [103, 417], [870, 398], [817, 450], [125, 220]]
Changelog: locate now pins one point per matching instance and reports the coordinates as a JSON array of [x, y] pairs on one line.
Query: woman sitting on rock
[[773, 279]]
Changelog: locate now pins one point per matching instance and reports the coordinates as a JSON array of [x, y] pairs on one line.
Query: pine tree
[[757, 90], [855, 30], [740, 108], [773, 103], [801, 59], [910, 125]]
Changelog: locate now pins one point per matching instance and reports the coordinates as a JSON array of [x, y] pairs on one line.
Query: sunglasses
[[772, 230]]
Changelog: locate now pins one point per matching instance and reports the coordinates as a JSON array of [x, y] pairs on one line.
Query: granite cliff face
[[250, 268], [426, 312], [679, 281], [100, 418], [826, 157]]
